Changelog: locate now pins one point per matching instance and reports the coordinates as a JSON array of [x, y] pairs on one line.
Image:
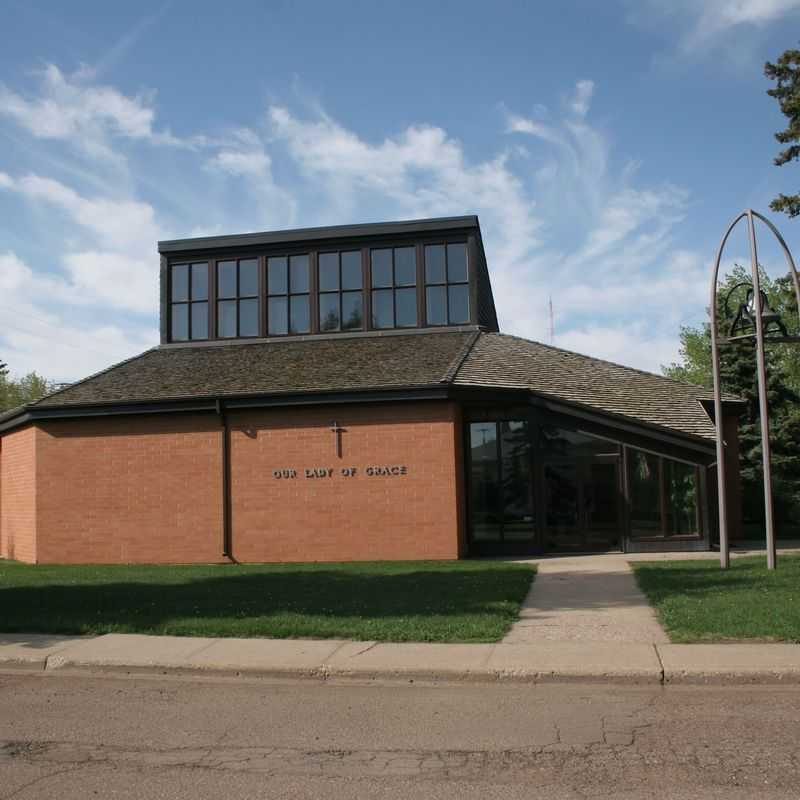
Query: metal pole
[[762, 395], [724, 549]]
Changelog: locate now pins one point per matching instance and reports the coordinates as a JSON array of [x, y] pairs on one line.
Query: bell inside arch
[[769, 317]]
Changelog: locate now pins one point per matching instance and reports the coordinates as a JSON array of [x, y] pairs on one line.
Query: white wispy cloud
[[557, 217], [118, 267], [73, 108], [703, 25]]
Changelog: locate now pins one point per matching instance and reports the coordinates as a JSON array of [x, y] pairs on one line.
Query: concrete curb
[[542, 662]]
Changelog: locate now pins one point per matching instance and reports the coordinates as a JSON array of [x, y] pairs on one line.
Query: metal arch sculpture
[[758, 319]]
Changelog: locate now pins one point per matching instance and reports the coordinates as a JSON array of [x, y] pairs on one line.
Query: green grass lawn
[[696, 601], [424, 601]]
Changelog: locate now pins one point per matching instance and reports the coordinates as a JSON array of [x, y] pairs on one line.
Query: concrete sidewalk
[[544, 661], [585, 599]]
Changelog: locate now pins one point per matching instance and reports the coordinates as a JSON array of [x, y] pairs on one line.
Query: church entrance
[[582, 492]]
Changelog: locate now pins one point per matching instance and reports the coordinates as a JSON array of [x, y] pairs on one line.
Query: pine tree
[[786, 74]]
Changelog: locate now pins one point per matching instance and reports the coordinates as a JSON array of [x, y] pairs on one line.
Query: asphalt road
[[81, 737]]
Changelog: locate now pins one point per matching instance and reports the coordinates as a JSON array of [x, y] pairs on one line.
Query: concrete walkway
[[585, 599], [540, 662]]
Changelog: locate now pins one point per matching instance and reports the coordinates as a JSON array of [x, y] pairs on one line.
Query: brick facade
[[149, 489], [18, 494], [337, 517]]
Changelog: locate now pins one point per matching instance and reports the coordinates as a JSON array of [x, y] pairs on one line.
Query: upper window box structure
[[326, 281]]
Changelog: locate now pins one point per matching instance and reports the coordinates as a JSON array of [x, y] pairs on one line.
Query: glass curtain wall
[[501, 485], [664, 497]]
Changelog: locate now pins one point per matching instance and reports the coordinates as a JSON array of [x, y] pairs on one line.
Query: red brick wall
[[362, 517], [148, 489], [18, 495], [130, 489]]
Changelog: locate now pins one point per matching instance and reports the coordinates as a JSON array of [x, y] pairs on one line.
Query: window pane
[[248, 278], [645, 489], [405, 266], [457, 263], [298, 274], [352, 311], [180, 282], [328, 272], [517, 481], [299, 318], [226, 318], [381, 268], [458, 303], [199, 320], [436, 304], [200, 281], [226, 279], [382, 314], [351, 270], [485, 486], [180, 322], [329, 312], [434, 263], [248, 317], [278, 319], [682, 491], [276, 271], [406, 307]]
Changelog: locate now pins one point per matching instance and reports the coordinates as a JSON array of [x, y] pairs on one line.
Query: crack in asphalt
[[583, 762]]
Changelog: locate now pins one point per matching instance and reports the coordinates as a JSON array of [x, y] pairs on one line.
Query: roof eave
[[329, 233]]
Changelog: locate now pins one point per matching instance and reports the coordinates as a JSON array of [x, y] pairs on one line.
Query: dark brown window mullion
[[394, 291], [262, 296], [472, 277], [662, 480], [422, 311], [366, 280], [313, 293], [212, 301]]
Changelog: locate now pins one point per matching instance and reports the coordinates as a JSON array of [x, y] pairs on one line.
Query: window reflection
[[501, 485], [340, 297], [189, 301], [393, 272], [446, 284]]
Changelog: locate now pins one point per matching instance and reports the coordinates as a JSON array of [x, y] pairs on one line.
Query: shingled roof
[[337, 363], [503, 361], [461, 358]]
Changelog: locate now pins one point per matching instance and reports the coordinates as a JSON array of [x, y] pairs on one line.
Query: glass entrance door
[[582, 507]]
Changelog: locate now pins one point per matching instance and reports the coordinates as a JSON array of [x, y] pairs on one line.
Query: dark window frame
[[310, 294], [237, 298], [665, 533], [447, 283], [340, 291], [394, 287], [262, 254], [189, 302]]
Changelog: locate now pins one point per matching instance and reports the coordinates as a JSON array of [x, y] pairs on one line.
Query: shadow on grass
[[431, 604]]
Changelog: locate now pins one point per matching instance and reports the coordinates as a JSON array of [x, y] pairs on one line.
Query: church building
[[345, 393]]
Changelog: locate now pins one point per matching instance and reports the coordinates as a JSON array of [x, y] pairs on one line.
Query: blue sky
[[604, 146]]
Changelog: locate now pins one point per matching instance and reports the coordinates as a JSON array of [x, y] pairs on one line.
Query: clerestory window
[[189, 301]]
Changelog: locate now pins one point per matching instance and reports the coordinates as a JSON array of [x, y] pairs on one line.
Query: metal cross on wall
[[338, 431]]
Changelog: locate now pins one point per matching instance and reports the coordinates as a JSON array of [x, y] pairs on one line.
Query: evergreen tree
[[739, 377], [786, 74]]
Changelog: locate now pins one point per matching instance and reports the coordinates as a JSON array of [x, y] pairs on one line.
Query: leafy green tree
[[26, 389], [739, 377], [785, 72]]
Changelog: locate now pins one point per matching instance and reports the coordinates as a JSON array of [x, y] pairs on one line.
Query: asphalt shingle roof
[[463, 358], [273, 367], [500, 360]]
